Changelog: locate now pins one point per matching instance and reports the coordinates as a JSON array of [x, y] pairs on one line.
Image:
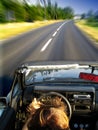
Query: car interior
[[81, 100]]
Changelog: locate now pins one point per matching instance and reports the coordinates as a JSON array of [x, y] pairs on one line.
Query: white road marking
[[60, 26], [54, 34], [58, 29], [45, 46], [49, 41]]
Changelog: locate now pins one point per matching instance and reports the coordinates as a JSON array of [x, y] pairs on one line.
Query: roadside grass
[[11, 29], [90, 28]]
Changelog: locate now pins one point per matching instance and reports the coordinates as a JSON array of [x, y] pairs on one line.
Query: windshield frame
[[44, 67]]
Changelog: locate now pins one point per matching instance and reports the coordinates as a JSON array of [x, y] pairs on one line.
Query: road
[[59, 41]]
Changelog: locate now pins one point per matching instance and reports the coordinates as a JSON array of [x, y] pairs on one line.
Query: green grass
[[92, 23], [91, 28], [11, 29]]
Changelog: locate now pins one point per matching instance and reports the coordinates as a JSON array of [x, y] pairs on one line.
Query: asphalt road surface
[[59, 41]]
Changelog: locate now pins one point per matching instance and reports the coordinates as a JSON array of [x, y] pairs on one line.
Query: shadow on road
[[5, 85]]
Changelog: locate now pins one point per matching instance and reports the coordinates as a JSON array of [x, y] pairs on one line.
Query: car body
[[77, 82]]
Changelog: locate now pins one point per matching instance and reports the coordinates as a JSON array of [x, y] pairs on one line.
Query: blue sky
[[79, 6]]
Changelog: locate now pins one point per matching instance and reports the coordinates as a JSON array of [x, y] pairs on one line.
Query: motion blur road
[[59, 41]]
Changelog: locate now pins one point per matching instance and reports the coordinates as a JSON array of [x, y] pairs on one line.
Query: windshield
[[61, 73], [46, 30]]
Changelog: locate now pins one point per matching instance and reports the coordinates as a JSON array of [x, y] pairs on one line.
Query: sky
[[79, 6]]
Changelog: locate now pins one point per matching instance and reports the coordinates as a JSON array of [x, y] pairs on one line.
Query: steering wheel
[[61, 96]]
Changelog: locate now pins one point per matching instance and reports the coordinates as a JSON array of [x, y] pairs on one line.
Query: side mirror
[[3, 102]]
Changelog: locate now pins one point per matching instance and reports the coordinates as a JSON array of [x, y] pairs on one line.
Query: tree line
[[21, 10]]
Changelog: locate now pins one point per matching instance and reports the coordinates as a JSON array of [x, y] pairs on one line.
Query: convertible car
[[75, 83]]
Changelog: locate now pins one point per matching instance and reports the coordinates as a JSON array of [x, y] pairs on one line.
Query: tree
[[83, 16], [14, 10], [55, 9], [2, 13], [90, 16], [45, 10], [90, 13], [49, 9], [68, 13], [21, 10]]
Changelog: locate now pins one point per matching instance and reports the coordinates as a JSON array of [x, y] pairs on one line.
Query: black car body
[[77, 82]]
